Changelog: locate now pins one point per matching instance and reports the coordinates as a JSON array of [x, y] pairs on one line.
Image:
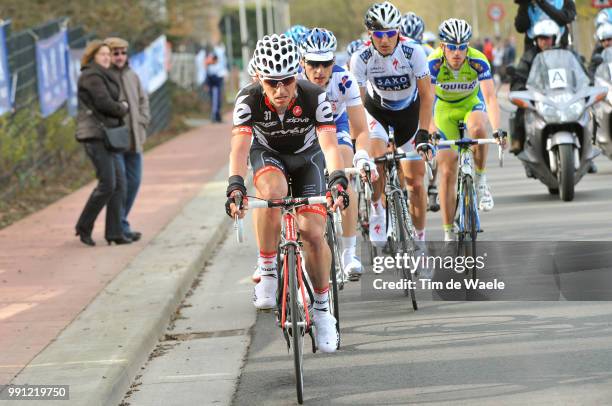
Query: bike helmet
[[251, 70], [412, 26], [429, 38], [382, 16], [547, 28], [604, 17], [297, 33], [276, 56], [604, 32], [319, 45], [455, 31], [354, 46]]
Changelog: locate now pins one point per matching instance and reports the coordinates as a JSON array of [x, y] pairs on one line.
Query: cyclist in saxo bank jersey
[[291, 125], [465, 92], [398, 95]]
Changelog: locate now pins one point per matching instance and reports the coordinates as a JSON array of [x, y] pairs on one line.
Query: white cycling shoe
[[325, 331], [485, 198], [449, 236], [352, 266], [377, 228], [264, 293]]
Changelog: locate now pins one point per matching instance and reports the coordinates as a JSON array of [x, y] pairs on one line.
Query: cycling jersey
[[426, 47], [391, 80], [293, 132], [454, 86], [457, 93], [342, 92]]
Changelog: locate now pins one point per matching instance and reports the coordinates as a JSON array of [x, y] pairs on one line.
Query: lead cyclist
[[461, 77], [318, 66]]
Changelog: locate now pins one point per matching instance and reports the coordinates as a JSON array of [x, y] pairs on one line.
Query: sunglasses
[[381, 34], [316, 64], [276, 82], [453, 47], [117, 53]]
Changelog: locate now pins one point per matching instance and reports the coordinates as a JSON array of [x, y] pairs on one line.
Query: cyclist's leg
[[378, 143], [446, 118], [308, 180], [270, 183], [479, 127], [413, 167], [350, 262]]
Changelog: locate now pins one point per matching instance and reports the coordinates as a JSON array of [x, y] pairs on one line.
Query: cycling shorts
[[447, 115], [305, 169]]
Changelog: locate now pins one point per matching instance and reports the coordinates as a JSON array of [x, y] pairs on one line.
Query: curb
[[99, 354]]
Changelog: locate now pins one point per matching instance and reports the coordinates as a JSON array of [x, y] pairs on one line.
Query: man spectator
[[137, 121], [530, 12], [215, 75]]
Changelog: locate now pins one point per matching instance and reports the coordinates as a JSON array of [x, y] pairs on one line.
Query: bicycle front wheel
[[297, 316], [403, 242], [336, 269], [467, 240]]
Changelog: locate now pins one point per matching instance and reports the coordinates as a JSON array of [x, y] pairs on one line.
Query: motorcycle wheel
[[565, 171]]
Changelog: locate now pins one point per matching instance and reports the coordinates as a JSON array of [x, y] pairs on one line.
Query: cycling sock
[[266, 261], [321, 299], [378, 207], [349, 243], [447, 227], [481, 176], [420, 235]]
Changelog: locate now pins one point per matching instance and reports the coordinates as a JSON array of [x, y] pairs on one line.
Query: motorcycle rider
[[604, 38]]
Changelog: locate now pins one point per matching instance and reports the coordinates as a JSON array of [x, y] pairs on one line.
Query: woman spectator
[[99, 107]]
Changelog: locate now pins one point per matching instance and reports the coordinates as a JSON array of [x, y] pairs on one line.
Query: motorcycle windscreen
[[557, 71]]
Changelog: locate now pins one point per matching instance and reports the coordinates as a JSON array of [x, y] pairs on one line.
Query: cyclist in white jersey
[[343, 93], [398, 95]]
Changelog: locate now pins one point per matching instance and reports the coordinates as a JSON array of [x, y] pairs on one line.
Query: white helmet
[[276, 56], [428, 37], [547, 28], [604, 17], [382, 16], [454, 31], [604, 32], [251, 70], [319, 45]]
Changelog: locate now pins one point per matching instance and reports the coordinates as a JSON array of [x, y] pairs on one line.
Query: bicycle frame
[[289, 237]]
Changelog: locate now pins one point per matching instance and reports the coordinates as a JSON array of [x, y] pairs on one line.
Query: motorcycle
[[603, 111], [558, 148]]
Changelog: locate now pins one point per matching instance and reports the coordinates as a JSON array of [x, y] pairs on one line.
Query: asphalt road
[[476, 353]]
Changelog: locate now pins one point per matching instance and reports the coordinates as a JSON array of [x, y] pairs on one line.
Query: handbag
[[116, 139]]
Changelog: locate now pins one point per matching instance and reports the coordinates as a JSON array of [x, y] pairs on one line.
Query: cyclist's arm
[[426, 102], [488, 92], [240, 146], [432, 124], [359, 127], [329, 145]]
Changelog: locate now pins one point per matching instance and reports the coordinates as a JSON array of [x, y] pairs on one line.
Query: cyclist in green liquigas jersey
[[465, 92]]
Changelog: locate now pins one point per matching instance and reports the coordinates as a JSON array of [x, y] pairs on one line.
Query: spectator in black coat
[[100, 106]]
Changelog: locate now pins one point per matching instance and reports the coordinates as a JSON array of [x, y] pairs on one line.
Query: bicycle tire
[[333, 292], [297, 339], [400, 211], [363, 217], [469, 226]]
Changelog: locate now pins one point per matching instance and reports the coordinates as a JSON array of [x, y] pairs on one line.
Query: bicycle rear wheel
[[403, 243], [333, 275], [296, 313]]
